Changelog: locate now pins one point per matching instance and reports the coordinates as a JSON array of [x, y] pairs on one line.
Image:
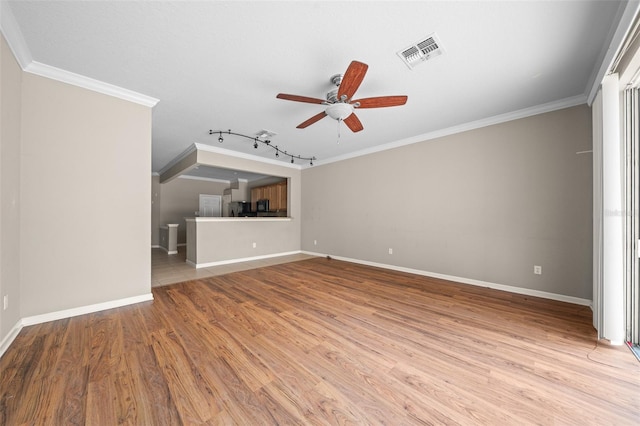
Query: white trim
[[216, 150], [69, 77], [243, 259], [203, 178], [611, 293], [624, 19], [166, 250], [68, 313], [10, 337], [82, 310], [20, 49], [160, 247], [11, 30], [470, 281], [184, 154], [485, 122]]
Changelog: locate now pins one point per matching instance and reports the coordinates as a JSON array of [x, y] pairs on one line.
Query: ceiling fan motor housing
[[332, 96]]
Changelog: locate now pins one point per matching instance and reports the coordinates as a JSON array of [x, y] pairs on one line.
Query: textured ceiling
[[219, 65]]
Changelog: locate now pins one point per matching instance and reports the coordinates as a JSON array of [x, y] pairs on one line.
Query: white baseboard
[[511, 289], [167, 250], [68, 313], [155, 246], [243, 259], [82, 310], [9, 338]]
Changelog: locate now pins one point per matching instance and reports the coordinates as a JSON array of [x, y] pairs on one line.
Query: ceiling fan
[[340, 103]]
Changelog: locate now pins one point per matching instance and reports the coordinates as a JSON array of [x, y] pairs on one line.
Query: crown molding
[[485, 122], [74, 79], [626, 15], [11, 31]]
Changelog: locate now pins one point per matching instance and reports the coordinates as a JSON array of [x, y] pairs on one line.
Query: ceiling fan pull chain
[[339, 120]]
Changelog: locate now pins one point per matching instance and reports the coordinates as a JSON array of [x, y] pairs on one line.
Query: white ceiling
[[219, 64]]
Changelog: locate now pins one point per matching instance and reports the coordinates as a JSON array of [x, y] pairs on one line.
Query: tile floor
[[169, 269]]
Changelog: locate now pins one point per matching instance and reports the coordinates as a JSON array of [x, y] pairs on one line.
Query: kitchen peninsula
[[246, 230], [215, 241]]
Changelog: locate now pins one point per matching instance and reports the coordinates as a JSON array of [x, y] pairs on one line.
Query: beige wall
[[180, 198], [486, 205], [85, 188], [232, 239], [10, 118]]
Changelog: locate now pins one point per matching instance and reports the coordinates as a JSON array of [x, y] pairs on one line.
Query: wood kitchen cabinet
[[275, 193]]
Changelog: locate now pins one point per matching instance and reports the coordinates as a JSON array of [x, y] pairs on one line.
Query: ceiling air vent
[[419, 52]]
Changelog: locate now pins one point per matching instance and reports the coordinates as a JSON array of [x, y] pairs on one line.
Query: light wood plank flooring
[[321, 342]]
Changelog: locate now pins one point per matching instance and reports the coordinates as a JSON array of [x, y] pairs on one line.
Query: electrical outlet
[[255, 245], [315, 242], [5, 301], [537, 270], [390, 251]]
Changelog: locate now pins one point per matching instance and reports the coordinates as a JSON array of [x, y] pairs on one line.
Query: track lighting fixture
[[267, 142]]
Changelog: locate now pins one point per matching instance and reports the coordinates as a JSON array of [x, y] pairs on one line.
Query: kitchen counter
[[237, 219]]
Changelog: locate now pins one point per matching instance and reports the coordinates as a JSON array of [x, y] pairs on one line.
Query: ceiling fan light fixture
[[339, 111]]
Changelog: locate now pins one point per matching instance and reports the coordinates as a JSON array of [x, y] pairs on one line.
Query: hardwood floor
[[321, 342]]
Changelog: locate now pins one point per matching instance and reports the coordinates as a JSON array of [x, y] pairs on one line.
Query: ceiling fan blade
[[312, 120], [353, 123], [381, 101], [352, 79], [300, 98]]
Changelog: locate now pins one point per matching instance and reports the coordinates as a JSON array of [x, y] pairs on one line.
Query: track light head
[[220, 138]]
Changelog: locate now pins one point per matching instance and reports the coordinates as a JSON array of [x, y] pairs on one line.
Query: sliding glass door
[[632, 222]]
